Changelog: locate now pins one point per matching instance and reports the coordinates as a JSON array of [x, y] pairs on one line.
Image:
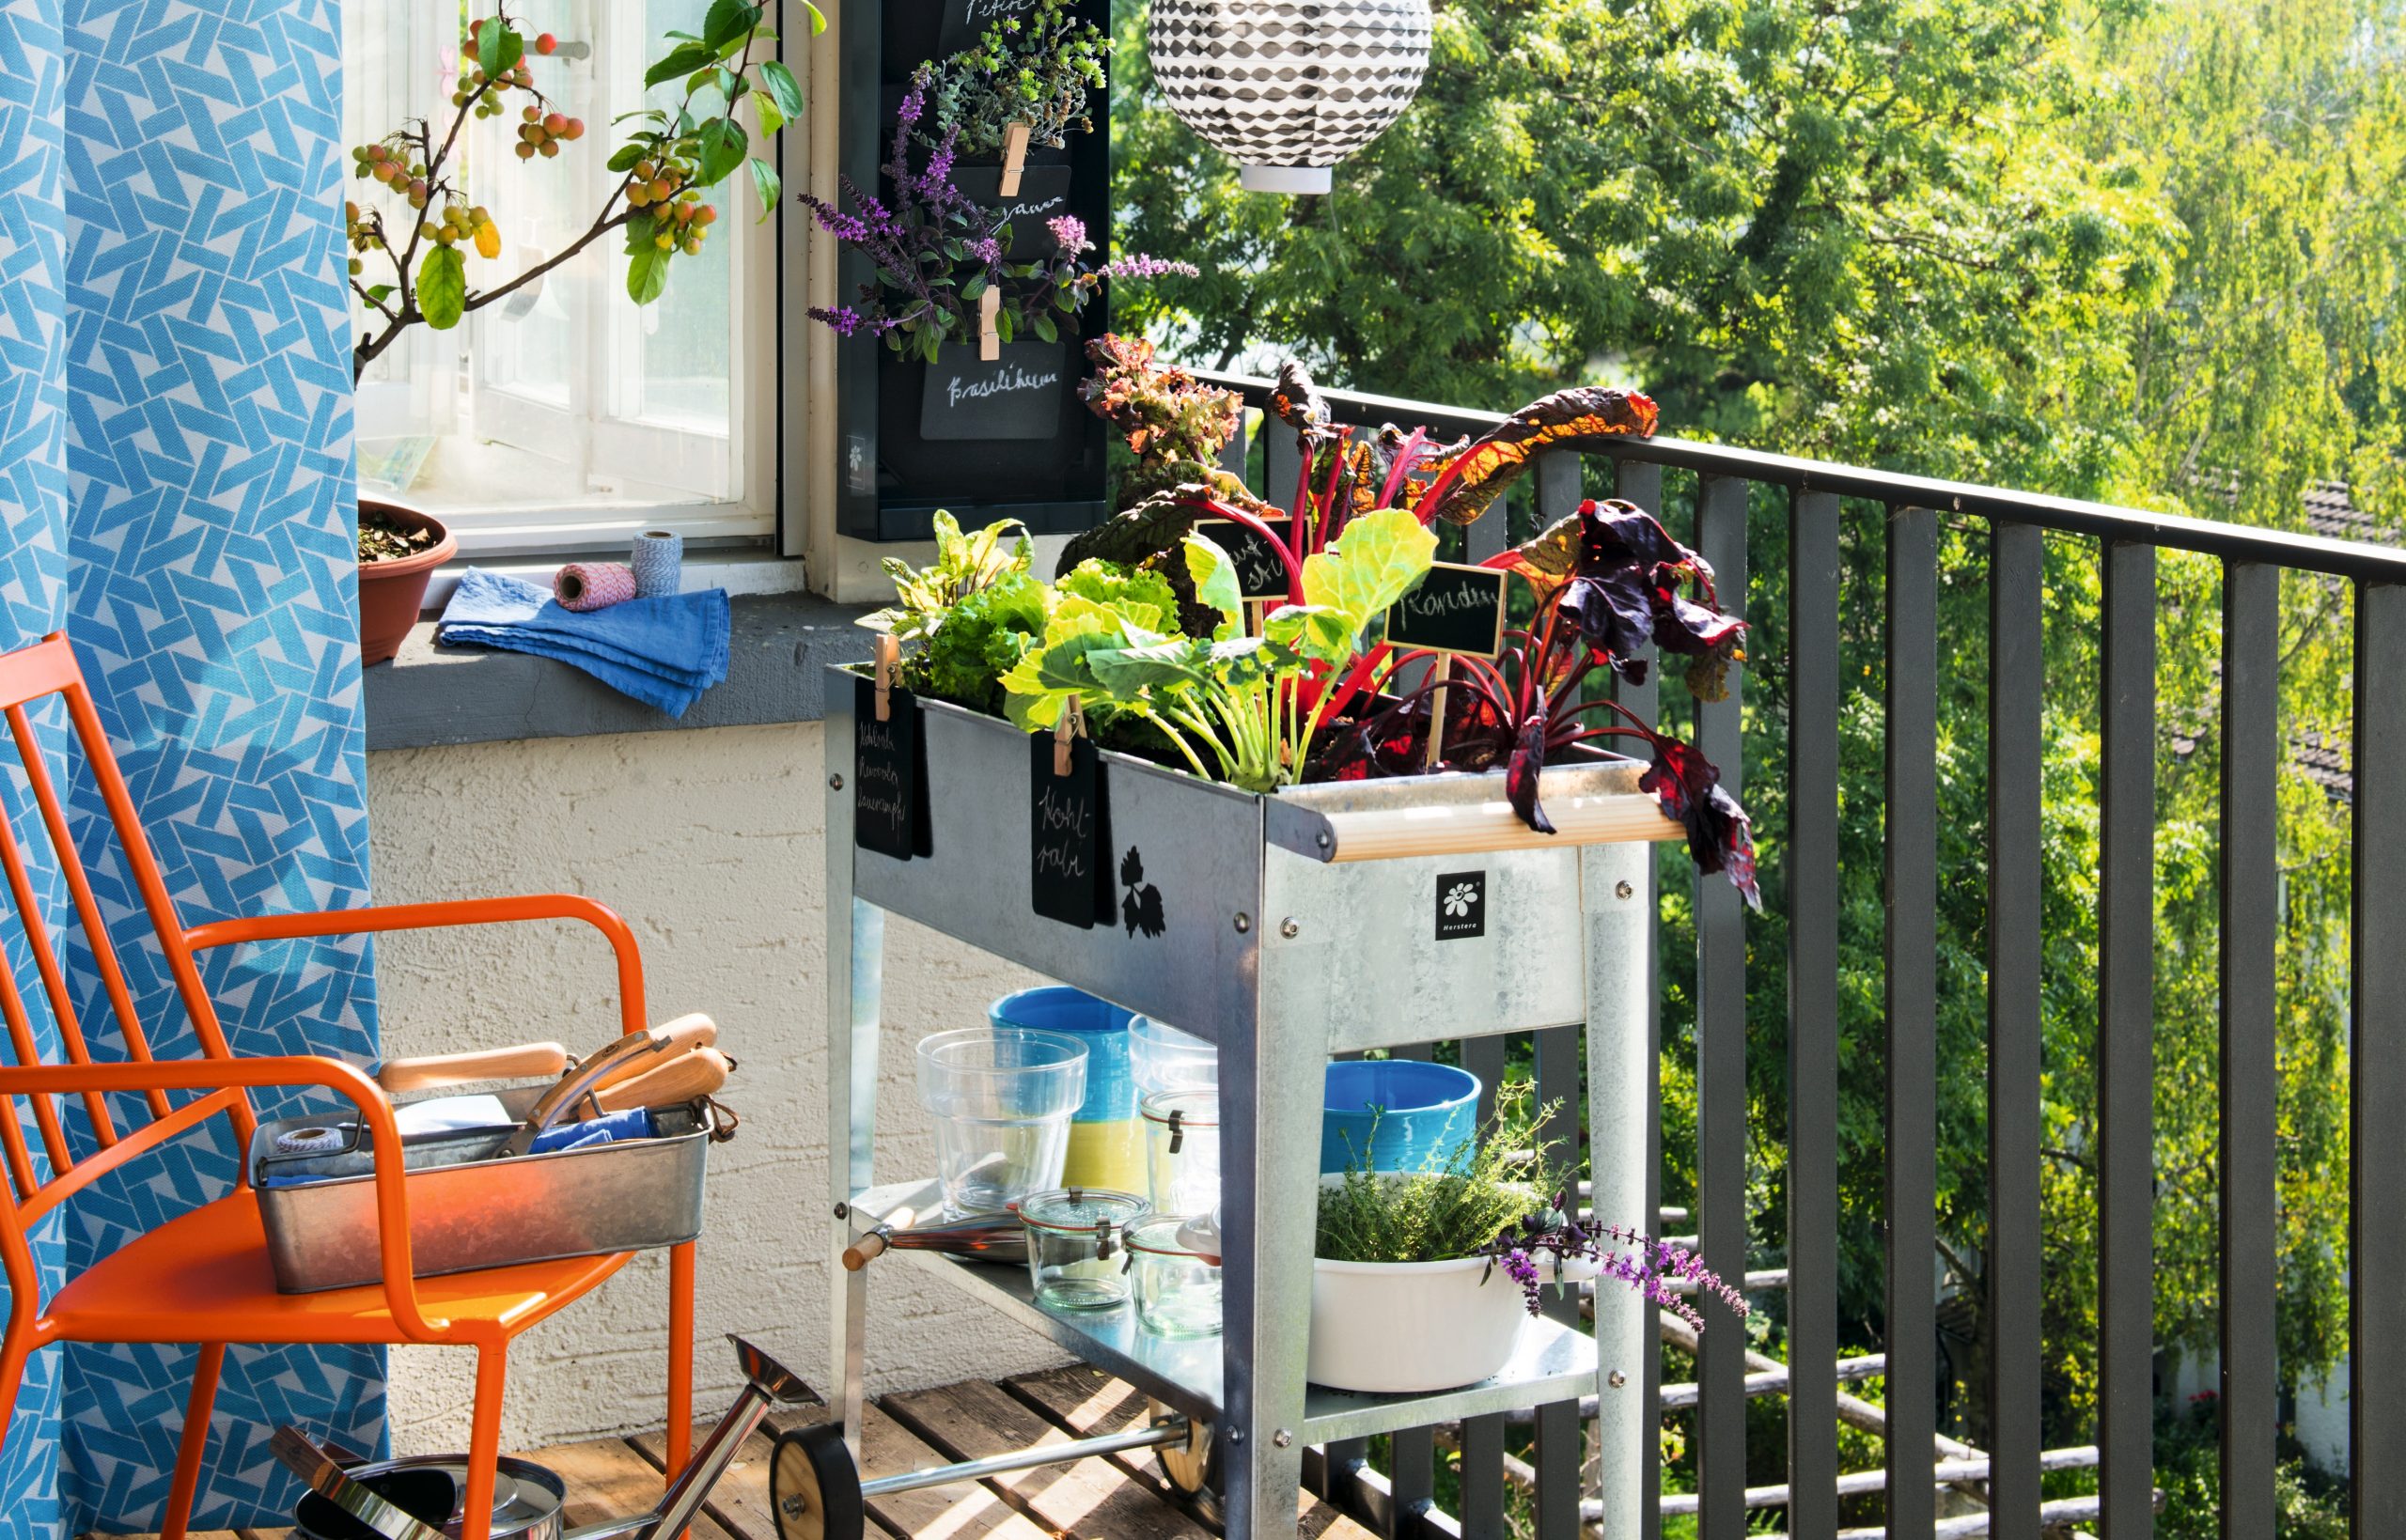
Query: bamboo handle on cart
[[428, 1070], [1390, 834]]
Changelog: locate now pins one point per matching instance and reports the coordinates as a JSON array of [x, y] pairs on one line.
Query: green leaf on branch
[[498, 48], [640, 229], [626, 157], [818, 21], [765, 113], [683, 59], [723, 144], [1215, 581], [778, 81], [972, 286], [443, 288], [1044, 328], [648, 274], [1003, 326], [730, 21], [766, 183], [380, 292]]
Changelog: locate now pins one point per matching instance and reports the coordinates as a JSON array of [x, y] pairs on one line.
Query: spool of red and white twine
[[593, 586]]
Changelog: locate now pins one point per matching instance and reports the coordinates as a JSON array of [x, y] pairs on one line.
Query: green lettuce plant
[[1251, 701]]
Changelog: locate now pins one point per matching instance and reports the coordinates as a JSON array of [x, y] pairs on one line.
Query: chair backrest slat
[[54, 982], [48, 668], [101, 761], [79, 887]]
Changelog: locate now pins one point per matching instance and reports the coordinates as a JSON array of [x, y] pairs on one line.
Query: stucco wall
[[710, 842]]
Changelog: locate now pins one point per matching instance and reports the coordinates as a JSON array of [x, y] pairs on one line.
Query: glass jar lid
[[1081, 1208], [1169, 1234], [1187, 1108]]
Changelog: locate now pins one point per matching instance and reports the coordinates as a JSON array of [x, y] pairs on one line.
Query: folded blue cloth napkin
[[665, 652]]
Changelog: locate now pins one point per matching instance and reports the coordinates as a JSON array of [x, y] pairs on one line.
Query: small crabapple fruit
[[545, 43]]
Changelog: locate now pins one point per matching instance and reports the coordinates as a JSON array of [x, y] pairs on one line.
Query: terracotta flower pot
[[392, 592]]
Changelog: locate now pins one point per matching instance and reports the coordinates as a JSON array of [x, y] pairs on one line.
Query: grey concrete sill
[[776, 663]]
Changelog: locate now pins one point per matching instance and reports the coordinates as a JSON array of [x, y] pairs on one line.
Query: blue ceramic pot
[[1426, 1114]]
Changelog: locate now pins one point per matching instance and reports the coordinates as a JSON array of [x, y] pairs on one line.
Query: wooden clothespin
[[1441, 670], [990, 339], [1071, 727], [888, 653], [1014, 158]]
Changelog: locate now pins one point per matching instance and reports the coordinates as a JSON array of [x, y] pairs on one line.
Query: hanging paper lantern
[[1287, 88]]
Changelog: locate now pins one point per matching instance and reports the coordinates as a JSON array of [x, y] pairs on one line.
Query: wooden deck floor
[[1119, 1498]]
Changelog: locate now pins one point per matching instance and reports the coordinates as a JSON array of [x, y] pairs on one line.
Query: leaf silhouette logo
[[1140, 907]]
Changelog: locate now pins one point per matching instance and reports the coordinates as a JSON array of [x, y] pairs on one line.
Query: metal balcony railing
[[2007, 1477]]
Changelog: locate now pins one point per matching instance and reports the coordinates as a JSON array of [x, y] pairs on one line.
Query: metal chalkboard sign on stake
[[1456, 612]]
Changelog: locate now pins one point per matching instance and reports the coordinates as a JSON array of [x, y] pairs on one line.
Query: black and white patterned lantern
[[1287, 88]]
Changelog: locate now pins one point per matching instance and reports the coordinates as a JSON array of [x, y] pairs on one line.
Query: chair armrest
[[218, 1074], [461, 912]]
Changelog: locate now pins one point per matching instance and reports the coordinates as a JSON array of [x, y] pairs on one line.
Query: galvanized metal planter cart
[[1296, 926]]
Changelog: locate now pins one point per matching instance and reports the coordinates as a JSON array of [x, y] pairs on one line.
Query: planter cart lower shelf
[[1284, 928]]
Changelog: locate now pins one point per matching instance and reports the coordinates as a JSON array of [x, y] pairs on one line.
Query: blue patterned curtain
[[175, 491]]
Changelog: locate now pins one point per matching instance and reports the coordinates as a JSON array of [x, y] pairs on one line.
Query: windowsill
[[777, 659]]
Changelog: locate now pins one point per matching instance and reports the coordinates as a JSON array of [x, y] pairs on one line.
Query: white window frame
[[439, 384]]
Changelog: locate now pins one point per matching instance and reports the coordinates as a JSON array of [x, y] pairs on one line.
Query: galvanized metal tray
[[468, 1210]]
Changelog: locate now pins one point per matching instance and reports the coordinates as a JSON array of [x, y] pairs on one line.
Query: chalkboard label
[[1455, 610], [1016, 397], [1067, 837], [1260, 572], [887, 790], [966, 21], [1043, 195]]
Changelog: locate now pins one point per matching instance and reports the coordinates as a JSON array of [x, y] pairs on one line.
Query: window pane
[[563, 397]]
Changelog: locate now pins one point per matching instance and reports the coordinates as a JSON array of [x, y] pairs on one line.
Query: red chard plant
[[1610, 583]]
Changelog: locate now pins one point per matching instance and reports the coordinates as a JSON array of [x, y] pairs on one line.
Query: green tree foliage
[[2145, 251]]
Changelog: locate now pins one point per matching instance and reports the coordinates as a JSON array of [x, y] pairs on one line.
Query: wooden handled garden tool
[[427, 1071], [699, 1073]]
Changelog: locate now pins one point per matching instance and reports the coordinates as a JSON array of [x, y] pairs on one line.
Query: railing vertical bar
[[2016, 670], [2250, 879], [1413, 1483], [1641, 483], [1483, 1515], [2376, 1070], [1721, 1064], [1484, 1057], [1560, 1451], [1813, 578], [1482, 1438], [1281, 462], [1234, 453], [1911, 1155], [2126, 1048]]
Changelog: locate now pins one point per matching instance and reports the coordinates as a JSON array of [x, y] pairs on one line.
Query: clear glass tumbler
[[1074, 1253], [1182, 1150], [1166, 1059], [1177, 1286], [1002, 1098]]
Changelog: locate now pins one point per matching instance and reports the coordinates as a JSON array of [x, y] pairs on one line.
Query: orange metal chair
[[204, 1277]]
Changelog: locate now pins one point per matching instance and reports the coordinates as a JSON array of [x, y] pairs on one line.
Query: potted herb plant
[[1011, 99], [945, 293], [1406, 1296]]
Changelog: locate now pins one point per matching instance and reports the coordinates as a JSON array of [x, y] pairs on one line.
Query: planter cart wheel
[[814, 1487], [1187, 1466]]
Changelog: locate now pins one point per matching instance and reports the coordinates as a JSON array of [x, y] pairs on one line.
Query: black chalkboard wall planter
[[918, 437]]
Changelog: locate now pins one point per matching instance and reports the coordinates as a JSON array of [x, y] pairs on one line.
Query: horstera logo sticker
[[1462, 905]]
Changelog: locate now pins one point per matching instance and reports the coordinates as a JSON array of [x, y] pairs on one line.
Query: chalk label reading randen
[[1455, 610]]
